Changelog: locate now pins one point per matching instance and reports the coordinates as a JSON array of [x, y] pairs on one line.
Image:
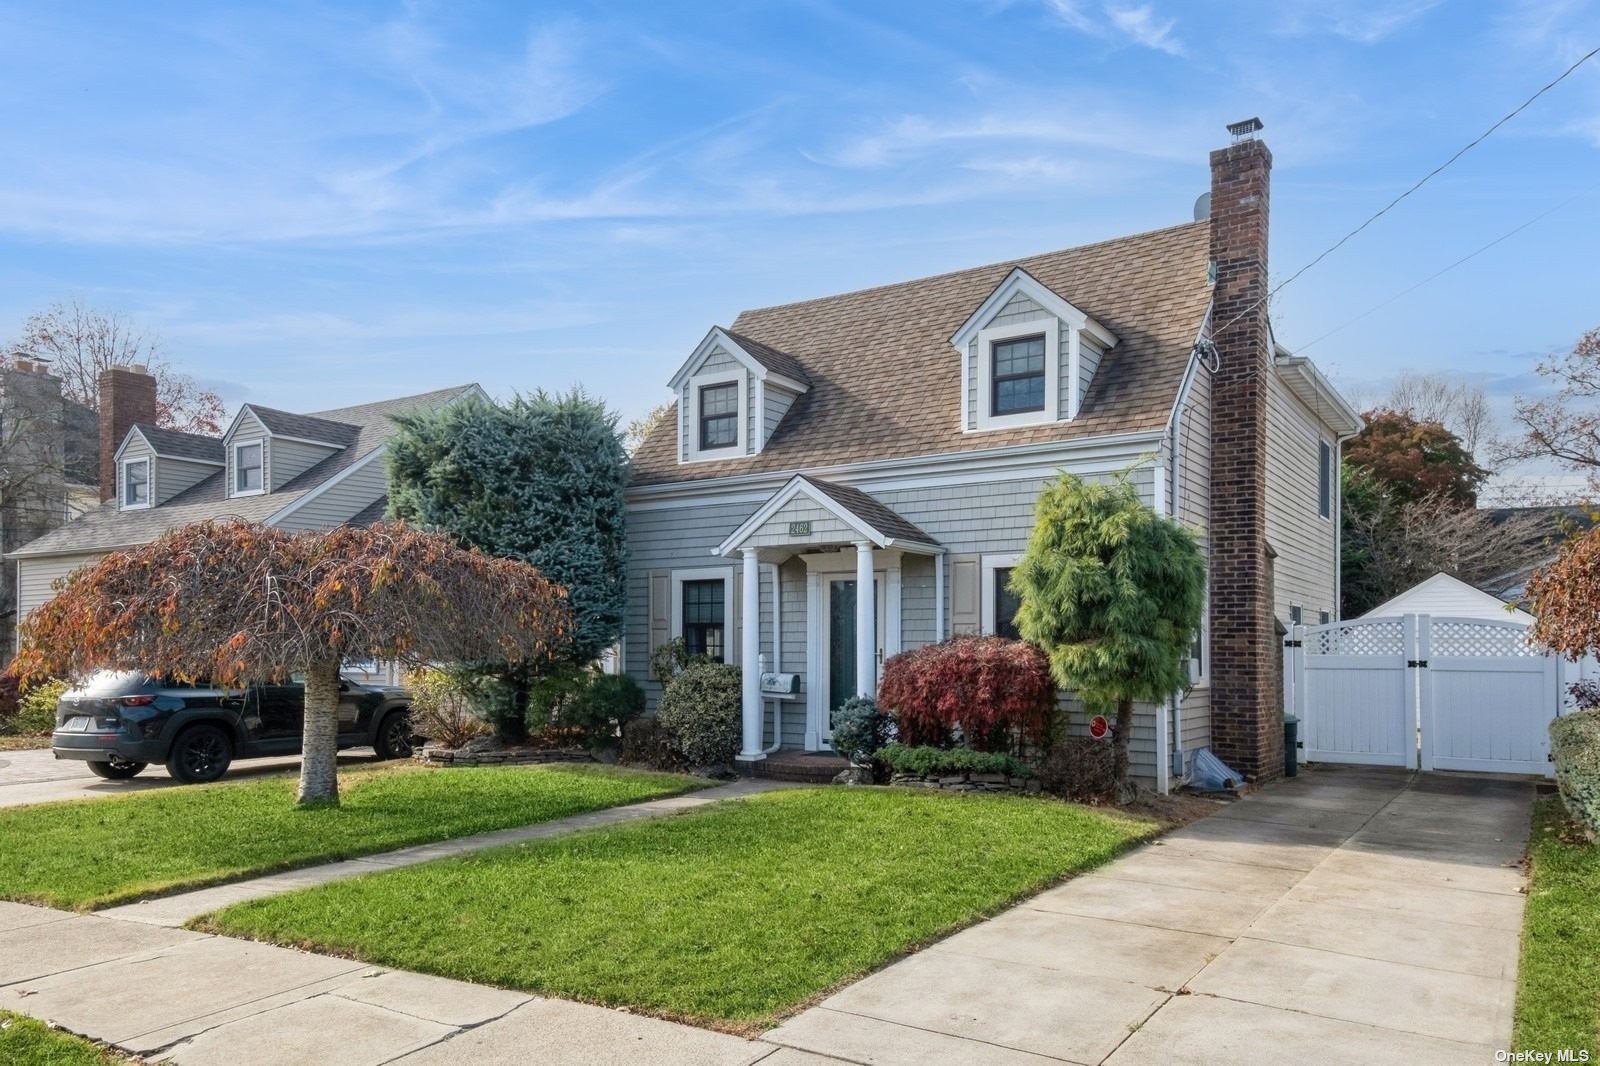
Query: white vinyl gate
[[1423, 692]]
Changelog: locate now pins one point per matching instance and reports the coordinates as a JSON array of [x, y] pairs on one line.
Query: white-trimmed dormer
[[154, 465], [733, 392], [265, 449], [1027, 357]]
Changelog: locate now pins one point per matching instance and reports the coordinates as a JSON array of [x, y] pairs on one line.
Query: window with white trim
[[135, 484], [249, 468], [1018, 369], [717, 406], [1200, 650], [719, 415], [702, 611], [998, 611], [1018, 374], [1324, 479]]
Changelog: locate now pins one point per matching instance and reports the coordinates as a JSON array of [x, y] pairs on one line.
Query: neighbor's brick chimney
[[1246, 703], [127, 396]]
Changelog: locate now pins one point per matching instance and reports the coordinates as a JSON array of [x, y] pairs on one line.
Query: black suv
[[119, 723]]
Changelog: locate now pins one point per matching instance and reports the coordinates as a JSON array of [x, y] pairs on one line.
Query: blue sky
[[317, 204]]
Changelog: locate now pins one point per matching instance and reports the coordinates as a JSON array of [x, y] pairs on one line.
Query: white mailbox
[[779, 686]]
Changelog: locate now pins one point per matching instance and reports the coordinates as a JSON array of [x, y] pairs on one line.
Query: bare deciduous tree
[[1565, 426], [78, 342], [638, 429], [1460, 406], [234, 602]]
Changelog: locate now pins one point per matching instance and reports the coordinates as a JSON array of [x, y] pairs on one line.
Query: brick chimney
[[127, 396], [1246, 702]]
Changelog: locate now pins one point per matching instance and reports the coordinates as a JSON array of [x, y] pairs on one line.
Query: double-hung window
[[1324, 479], [1006, 605], [704, 618], [136, 483], [719, 415], [1018, 383], [248, 468]]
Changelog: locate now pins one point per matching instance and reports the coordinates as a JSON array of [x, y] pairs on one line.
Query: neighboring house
[[897, 438], [292, 471], [1445, 596], [48, 456]]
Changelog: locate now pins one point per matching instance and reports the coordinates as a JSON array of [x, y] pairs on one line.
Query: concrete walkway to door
[[1349, 915]]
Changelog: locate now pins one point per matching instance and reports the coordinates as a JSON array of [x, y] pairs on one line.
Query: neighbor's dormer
[[153, 465], [732, 394], [1027, 357], [265, 449]]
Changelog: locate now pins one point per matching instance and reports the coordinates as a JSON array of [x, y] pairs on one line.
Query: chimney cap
[[1245, 130]]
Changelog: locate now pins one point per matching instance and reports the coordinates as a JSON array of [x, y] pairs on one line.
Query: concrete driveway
[[1350, 915], [39, 777]]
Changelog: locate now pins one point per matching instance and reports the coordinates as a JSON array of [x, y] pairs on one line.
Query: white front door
[[836, 678]]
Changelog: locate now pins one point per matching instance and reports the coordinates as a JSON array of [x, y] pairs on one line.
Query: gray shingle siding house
[[900, 435], [293, 471]]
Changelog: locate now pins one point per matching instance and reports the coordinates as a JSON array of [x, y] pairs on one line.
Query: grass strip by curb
[[27, 1041], [1558, 984]]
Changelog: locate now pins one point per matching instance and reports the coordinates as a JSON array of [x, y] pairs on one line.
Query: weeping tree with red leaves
[[234, 603]]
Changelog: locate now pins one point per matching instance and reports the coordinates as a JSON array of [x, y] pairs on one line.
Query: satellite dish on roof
[[1202, 207]]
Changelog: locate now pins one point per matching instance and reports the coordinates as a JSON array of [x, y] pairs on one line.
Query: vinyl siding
[[1192, 499], [825, 527], [36, 577], [175, 475], [289, 459], [717, 360], [983, 515], [1303, 539], [137, 450], [1020, 308], [248, 431], [339, 503], [778, 402]]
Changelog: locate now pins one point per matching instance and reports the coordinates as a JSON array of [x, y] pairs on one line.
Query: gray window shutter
[[660, 608], [966, 595]]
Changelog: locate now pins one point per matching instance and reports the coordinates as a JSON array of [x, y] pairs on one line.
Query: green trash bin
[[1291, 745]]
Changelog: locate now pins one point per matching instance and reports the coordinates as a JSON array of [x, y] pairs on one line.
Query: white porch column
[[866, 623], [750, 658]]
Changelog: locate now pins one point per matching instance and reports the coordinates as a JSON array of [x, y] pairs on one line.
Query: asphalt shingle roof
[[178, 445], [107, 527], [870, 511], [305, 427], [774, 360], [886, 382]]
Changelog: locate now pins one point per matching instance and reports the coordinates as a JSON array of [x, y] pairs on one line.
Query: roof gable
[[865, 516], [764, 361], [308, 429], [173, 444], [1445, 595], [1020, 281]]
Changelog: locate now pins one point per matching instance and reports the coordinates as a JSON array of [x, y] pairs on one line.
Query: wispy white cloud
[[1357, 21], [1139, 24], [1143, 25]]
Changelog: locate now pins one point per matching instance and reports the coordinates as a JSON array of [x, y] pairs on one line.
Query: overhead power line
[[1429, 176], [1439, 273]]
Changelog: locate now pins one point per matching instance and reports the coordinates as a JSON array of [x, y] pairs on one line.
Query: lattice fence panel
[[1386, 636], [1469, 638]]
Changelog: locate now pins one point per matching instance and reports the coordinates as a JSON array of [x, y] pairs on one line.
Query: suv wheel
[[201, 753], [116, 768], [394, 736]]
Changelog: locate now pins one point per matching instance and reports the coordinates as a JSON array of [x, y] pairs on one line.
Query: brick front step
[[816, 768]]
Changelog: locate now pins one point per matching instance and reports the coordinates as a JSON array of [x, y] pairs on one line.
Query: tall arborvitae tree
[[1112, 593], [538, 479]]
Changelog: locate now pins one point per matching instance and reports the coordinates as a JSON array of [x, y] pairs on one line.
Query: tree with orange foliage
[[1415, 459], [234, 602], [1566, 598]]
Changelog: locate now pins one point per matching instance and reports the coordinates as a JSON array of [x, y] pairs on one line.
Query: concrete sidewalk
[[176, 910], [1350, 915]]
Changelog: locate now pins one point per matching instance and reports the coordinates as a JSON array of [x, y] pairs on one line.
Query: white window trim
[[692, 452], [987, 589], [1200, 671], [233, 470], [149, 484], [730, 637], [984, 368]]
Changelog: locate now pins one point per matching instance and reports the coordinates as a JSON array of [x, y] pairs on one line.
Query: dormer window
[[135, 484], [1018, 368], [248, 468], [719, 416]]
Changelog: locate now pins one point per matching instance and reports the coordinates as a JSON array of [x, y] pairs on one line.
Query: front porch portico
[[852, 546]]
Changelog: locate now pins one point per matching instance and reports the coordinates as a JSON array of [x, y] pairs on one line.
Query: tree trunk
[[319, 759], [1121, 734]]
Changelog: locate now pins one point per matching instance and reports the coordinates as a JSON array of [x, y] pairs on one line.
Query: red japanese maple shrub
[[990, 688]]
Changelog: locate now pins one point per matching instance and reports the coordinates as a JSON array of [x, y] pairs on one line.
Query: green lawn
[[94, 853], [1558, 994], [28, 1042], [729, 915]]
